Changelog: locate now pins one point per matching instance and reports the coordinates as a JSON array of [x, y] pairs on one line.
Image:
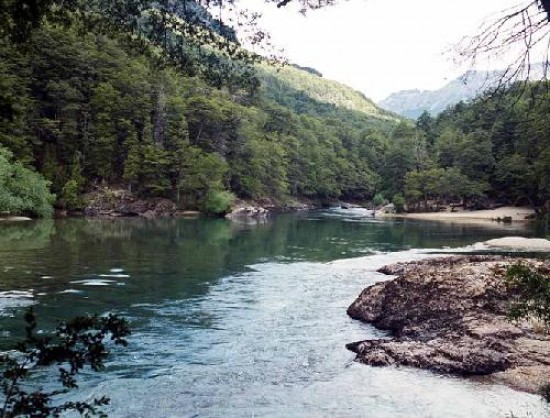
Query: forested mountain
[[86, 108], [298, 87], [411, 103]]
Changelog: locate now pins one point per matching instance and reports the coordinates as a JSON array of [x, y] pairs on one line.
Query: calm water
[[240, 320]]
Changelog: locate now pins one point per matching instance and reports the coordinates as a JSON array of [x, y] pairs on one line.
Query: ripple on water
[[12, 299], [94, 282], [270, 342]]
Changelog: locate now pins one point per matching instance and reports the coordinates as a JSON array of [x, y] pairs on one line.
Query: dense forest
[[82, 107], [86, 109], [496, 147]]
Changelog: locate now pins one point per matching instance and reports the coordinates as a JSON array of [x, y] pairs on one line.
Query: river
[[241, 320]]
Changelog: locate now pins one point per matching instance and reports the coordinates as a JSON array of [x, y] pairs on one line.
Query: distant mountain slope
[[411, 103], [306, 91]]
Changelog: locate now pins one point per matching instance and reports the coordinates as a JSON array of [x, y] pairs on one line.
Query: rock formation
[[448, 315]]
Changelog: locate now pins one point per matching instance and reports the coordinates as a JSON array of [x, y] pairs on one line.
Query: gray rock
[[448, 315]]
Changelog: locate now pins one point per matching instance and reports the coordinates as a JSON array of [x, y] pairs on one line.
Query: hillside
[[97, 112], [298, 87], [411, 103], [94, 112]]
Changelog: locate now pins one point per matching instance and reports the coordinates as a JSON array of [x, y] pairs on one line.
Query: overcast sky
[[381, 46]]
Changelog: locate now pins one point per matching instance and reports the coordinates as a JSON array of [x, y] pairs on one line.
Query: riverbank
[[507, 214], [9, 218], [448, 315], [116, 203]]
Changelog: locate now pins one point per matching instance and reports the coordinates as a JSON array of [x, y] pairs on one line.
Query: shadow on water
[[75, 266], [231, 318], [179, 258]]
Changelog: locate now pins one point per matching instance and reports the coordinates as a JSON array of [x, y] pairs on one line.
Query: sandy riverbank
[[14, 219], [516, 214], [520, 244]]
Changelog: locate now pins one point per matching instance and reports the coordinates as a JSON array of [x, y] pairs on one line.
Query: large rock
[[449, 315], [116, 203]]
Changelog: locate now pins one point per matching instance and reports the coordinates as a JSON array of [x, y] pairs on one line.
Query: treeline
[[495, 149], [86, 109]]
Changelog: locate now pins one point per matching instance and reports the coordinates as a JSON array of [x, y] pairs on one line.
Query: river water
[[241, 320]]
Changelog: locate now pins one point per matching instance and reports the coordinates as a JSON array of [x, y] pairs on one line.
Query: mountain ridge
[[308, 84], [412, 103]]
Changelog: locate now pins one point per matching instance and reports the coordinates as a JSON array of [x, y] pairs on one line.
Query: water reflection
[[238, 319], [180, 258]]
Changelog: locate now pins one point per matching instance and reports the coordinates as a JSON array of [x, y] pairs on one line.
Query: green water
[[236, 319]]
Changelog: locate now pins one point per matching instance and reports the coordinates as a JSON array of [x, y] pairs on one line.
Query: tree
[[76, 344], [522, 29], [423, 185], [530, 287], [23, 191]]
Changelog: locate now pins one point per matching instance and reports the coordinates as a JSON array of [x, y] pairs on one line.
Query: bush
[[532, 289], [217, 202], [70, 197], [532, 299], [399, 203], [23, 191], [379, 199]]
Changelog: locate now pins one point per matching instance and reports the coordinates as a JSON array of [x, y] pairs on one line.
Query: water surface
[[236, 320]]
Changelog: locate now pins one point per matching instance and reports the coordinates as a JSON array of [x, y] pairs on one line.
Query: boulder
[[116, 203], [448, 315]]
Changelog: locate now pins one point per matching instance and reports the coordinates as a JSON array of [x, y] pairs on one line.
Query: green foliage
[[95, 109], [399, 203], [307, 92], [183, 35], [23, 191], [70, 197], [379, 199], [531, 287], [218, 202], [91, 110], [74, 346], [441, 185], [501, 141]]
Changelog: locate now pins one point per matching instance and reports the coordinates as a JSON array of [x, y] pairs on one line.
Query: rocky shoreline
[[116, 203], [448, 315]]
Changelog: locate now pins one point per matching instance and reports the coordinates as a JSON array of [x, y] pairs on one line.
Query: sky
[[381, 46]]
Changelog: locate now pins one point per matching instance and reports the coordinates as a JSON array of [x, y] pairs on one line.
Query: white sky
[[380, 46]]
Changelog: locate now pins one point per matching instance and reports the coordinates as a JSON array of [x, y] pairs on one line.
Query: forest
[[83, 107]]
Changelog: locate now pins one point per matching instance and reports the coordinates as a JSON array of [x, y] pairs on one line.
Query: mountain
[[411, 103], [94, 114], [306, 91]]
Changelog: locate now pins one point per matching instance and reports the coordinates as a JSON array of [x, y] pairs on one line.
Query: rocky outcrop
[[448, 315], [118, 203], [262, 208], [241, 212]]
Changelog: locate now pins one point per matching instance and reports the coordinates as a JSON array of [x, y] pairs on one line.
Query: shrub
[[23, 191], [217, 202], [379, 199], [74, 345], [70, 197], [532, 299], [532, 289], [399, 203]]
